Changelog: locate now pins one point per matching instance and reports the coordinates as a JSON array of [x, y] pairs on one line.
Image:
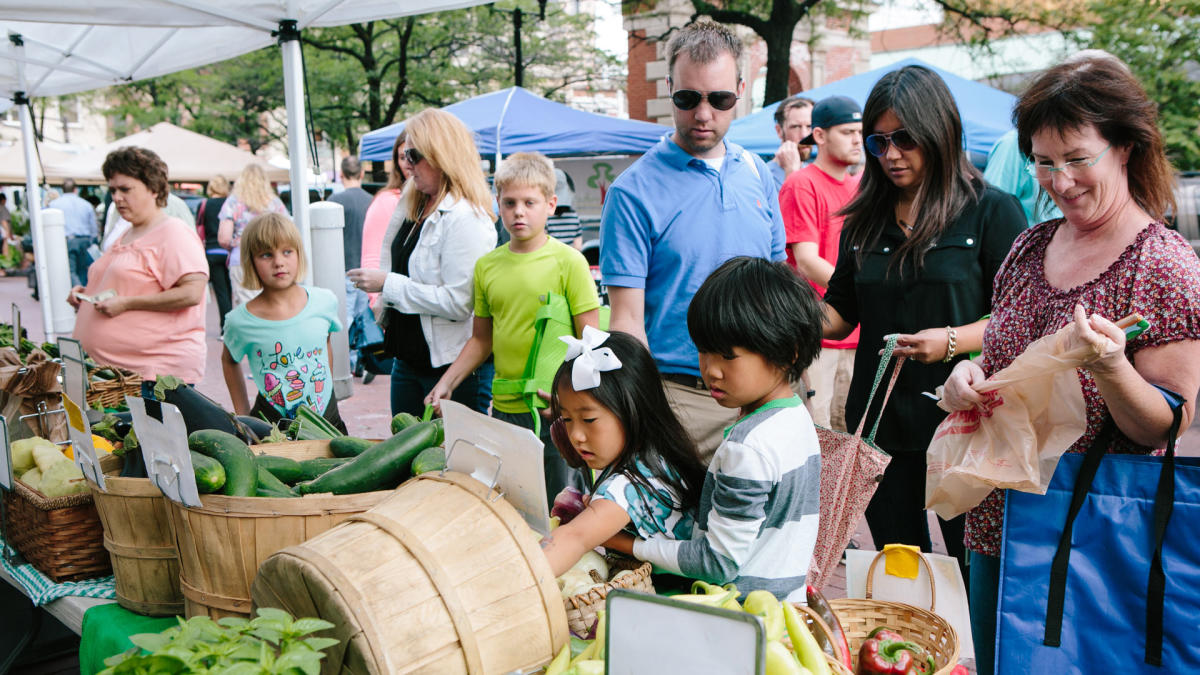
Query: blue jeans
[[410, 387], [984, 597], [79, 259]]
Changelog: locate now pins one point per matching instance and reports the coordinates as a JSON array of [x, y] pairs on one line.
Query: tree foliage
[[365, 76]]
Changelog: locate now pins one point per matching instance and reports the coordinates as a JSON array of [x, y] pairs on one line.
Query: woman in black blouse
[[920, 246]]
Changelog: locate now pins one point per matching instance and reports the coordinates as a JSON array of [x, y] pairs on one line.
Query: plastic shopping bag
[[1035, 411]]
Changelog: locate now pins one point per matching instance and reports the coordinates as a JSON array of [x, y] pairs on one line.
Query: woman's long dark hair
[[635, 394], [924, 106]]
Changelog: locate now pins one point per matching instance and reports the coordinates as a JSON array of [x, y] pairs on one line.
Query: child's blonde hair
[[528, 169], [267, 233]]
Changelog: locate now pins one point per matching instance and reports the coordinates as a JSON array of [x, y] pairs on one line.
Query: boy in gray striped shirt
[[757, 326]]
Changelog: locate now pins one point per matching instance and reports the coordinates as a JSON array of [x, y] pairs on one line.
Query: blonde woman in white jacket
[[427, 262]]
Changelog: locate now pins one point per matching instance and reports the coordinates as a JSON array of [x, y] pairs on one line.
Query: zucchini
[[311, 468], [382, 467], [210, 475], [241, 473], [430, 459], [272, 486], [349, 446], [285, 469], [403, 421]]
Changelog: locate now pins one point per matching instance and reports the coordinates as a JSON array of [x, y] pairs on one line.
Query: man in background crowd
[[79, 223], [354, 201], [793, 121], [810, 201]]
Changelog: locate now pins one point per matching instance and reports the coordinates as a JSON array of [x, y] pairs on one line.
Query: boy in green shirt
[[509, 284]]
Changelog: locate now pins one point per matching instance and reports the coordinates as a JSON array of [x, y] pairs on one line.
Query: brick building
[[823, 50]]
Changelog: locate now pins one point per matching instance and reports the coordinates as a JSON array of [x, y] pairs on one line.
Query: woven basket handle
[[928, 571]]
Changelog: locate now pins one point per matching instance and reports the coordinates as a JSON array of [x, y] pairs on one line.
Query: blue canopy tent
[[517, 120], [986, 112]]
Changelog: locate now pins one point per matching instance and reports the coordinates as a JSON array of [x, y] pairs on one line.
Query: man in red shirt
[[809, 202]]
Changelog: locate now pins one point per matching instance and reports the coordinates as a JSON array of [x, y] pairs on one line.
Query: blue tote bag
[[1102, 573]]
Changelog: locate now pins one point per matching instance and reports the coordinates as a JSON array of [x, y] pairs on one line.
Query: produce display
[[223, 462], [44, 466]]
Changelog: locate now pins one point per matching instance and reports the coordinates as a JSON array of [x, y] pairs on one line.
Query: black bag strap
[[1163, 503]]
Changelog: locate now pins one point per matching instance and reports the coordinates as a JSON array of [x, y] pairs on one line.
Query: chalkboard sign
[[650, 634]]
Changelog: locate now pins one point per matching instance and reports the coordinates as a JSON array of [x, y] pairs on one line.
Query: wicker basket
[[112, 393], [582, 608], [61, 536], [922, 626]]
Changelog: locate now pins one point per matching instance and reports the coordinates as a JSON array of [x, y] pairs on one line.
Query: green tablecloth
[[106, 631]]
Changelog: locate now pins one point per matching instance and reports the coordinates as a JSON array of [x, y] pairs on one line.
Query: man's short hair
[[789, 104], [69, 185], [351, 167], [3, 197], [527, 169], [704, 41]]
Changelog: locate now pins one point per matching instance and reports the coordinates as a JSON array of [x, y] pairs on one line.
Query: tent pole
[[293, 92], [33, 201]]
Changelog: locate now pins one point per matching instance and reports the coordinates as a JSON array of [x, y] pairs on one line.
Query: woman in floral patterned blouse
[[1097, 152]]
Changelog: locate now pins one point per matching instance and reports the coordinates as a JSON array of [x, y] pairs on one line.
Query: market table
[[69, 610]]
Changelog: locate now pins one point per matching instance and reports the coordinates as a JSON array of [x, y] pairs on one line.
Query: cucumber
[[430, 459], [285, 469], [241, 473], [382, 467], [349, 446], [311, 468], [403, 421], [271, 486], [210, 475]]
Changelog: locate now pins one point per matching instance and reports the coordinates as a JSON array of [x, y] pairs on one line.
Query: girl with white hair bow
[[613, 423]]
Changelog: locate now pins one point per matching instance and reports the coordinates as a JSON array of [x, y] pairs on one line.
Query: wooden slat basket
[[222, 543], [137, 535], [444, 578], [61, 536]]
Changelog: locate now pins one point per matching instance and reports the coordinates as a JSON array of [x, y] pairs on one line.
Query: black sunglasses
[[413, 156], [686, 99], [877, 144]]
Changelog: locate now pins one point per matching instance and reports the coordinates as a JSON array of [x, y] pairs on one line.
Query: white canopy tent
[[68, 46]]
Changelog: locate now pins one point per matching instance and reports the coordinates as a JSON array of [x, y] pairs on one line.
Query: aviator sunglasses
[[413, 156], [877, 144], [686, 99]]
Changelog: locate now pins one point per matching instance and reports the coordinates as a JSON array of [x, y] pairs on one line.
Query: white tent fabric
[[60, 47], [190, 157], [80, 45], [12, 163]]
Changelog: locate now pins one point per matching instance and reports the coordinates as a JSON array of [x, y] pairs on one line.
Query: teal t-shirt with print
[[289, 359], [650, 512]]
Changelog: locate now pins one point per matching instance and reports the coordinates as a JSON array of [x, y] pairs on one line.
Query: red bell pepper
[[886, 652]]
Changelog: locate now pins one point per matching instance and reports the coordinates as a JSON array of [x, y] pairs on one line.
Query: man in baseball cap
[[809, 200]]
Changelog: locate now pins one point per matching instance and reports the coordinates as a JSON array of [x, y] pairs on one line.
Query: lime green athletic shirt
[[508, 288]]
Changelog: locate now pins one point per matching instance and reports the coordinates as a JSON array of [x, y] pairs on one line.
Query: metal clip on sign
[[162, 436], [481, 452], [42, 415]]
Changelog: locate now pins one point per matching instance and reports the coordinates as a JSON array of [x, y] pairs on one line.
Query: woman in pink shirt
[[379, 213], [154, 324]]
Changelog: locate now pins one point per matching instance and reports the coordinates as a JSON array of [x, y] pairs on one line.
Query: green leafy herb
[[271, 643]]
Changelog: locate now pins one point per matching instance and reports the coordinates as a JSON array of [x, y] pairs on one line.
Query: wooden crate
[[443, 577], [222, 543], [138, 538]]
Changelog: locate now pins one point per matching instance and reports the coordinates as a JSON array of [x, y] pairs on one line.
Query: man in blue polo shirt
[[79, 223], [689, 204]]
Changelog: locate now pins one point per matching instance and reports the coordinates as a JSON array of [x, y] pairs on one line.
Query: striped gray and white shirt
[[759, 507]]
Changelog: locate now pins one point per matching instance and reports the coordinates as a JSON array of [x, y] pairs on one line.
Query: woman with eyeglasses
[[442, 225], [1092, 135], [921, 243]]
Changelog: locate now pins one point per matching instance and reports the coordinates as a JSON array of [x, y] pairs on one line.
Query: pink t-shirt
[[375, 224], [808, 202], [149, 343]]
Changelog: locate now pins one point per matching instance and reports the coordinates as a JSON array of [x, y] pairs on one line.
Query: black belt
[[689, 381]]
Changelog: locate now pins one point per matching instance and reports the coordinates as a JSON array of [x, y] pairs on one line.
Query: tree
[[1160, 41]]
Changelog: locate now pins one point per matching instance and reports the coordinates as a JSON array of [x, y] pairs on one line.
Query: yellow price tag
[[901, 560], [74, 414]]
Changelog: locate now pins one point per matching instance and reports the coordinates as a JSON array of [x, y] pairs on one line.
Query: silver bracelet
[[952, 343]]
